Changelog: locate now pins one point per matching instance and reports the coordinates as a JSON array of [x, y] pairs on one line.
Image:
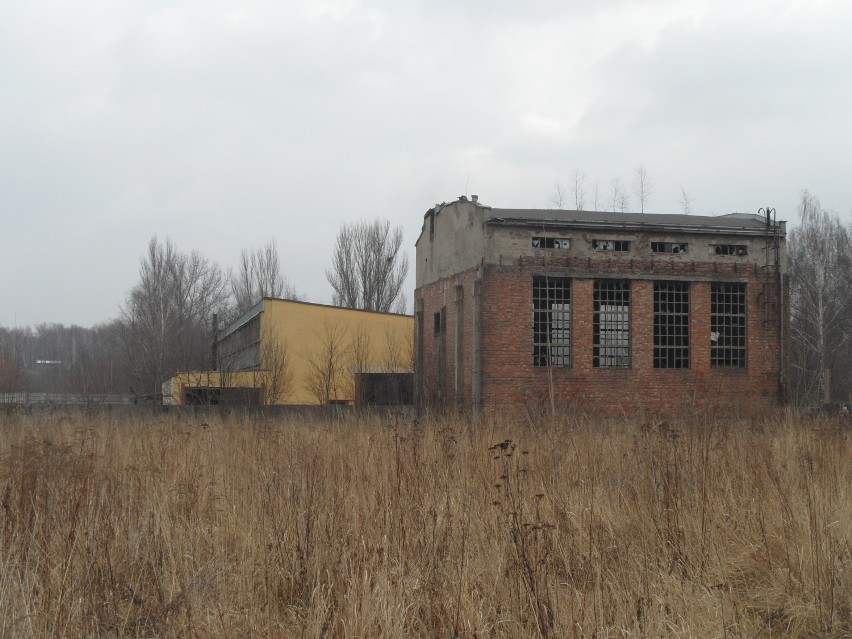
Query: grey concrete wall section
[[505, 244], [452, 241], [463, 234]]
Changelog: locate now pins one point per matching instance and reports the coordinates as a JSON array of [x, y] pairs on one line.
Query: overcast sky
[[222, 124]]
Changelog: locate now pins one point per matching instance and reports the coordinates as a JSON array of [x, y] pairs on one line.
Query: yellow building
[[287, 352]]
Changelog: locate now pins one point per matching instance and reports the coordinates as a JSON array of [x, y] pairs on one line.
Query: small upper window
[[728, 249], [551, 242], [669, 247], [620, 246]]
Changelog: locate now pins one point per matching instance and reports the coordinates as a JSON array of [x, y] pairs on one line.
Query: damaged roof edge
[[439, 207]]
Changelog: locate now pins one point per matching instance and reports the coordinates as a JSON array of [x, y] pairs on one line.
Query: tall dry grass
[[255, 527]]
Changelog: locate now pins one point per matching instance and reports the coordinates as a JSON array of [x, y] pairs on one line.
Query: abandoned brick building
[[611, 313]]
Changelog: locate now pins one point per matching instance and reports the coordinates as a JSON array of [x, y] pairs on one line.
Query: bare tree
[[577, 192], [368, 268], [620, 199], [399, 350], [165, 318], [686, 201], [596, 196], [325, 380], [643, 186], [559, 196], [577, 180], [276, 375], [259, 275], [820, 253], [359, 356], [89, 373]]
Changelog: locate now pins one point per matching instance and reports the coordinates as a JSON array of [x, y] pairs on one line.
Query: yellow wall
[[214, 379], [362, 342], [308, 329]]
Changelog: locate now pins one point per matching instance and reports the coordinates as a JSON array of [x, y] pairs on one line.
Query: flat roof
[[257, 309], [733, 221]]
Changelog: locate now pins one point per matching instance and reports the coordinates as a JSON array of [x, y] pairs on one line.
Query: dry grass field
[[268, 527]]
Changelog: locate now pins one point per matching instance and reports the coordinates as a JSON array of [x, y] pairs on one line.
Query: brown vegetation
[[183, 527]]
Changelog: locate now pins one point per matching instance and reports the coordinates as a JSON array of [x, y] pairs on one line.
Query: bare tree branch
[[643, 186], [686, 201], [368, 268], [820, 253], [577, 180], [165, 319], [559, 196], [327, 364], [259, 275]]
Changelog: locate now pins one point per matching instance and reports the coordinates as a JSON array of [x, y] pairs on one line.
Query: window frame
[[554, 304], [618, 246], [551, 242], [672, 323], [670, 248], [611, 339], [728, 322], [728, 250]]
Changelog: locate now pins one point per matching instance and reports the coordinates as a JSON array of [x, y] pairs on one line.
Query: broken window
[[611, 324], [611, 245], [551, 321], [729, 249], [669, 247], [728, 324], [551, 242], [671, 325]]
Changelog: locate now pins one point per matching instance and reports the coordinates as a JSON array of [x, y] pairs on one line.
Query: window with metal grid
[[728, 324], [611, 324], [551, 321], [611, 245], [671, 325]]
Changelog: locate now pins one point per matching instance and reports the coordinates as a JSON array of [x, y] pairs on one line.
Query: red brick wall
[[436, 296], [510, 382]]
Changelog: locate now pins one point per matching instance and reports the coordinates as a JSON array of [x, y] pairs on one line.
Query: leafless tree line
[[579, 191], [820, 255], [53, 358], [165, 323]]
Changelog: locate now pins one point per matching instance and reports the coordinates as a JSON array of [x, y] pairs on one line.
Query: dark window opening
[[728, 324], [225, 396], [729, 249], [384, 389], [620, 246], [671, 325], [551, 321], [439, 321], [611, 324], [563, 243], [669, 247]]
